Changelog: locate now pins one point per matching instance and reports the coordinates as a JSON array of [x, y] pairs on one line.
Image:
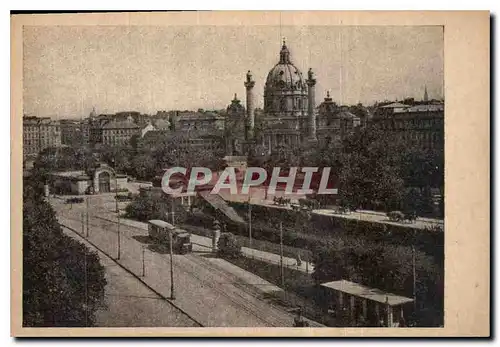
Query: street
[[215, 295], [128, 302]]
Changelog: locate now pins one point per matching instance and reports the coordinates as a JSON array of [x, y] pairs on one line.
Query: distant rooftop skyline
[[70, 69]]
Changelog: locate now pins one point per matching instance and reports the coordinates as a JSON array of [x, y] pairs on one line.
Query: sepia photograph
[[233, 176]]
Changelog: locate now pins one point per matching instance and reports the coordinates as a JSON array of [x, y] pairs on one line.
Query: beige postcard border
[[467, 152]]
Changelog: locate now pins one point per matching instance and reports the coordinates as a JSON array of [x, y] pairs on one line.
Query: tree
[[370, 169], [384, 266], [156, 206], [143, 166], [118, 157], [63, 281]]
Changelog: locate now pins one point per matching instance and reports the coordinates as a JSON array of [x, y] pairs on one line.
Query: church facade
[[290, 117]]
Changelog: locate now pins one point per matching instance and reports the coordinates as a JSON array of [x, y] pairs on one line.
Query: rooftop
[[423, 108], [125, 124], [368, 293], [396, 105], [161, 124], [72, 174], [160, 223], [198, 116]]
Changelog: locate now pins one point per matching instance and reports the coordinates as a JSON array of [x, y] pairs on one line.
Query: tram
[[160, 231]]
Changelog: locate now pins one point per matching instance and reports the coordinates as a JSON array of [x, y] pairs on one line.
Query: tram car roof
[[166, 225]]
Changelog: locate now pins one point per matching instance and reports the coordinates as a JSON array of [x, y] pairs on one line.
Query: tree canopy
[[384, 266], [63, 281]]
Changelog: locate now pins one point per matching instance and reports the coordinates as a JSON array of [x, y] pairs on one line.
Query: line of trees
[[374, 170], [141, 158], [63, 281]]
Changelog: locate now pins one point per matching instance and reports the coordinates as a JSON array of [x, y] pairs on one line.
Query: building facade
[[75, 132], [197, 121], [420, 125], [101, 179], [119, 132], [290, 117], [112, 130], [40, 133]]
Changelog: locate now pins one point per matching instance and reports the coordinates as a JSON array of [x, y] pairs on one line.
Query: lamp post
[[413, 258], [87, 214], [250, 223], [116, 193], [282, 272], [172, 289], [143, 264], [116, 185], [119, 243]]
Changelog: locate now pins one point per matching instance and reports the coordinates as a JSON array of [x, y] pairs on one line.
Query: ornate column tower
[[250, 116], [311, 83]]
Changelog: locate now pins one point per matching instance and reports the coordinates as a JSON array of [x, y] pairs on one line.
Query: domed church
[[288, 118]]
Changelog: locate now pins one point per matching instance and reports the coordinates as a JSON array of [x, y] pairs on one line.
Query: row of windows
[[115, 138], [202, 124], [122, 131], [413, 123], [37, 129]]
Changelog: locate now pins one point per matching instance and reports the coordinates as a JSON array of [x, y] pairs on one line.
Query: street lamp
[[119, 243], [250, 223], [413, 258], [172, 289], [116, 193], [116, 186], [143, 263], [87, 214]]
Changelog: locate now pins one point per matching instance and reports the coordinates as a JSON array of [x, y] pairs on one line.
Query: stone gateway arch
[[104, 180]]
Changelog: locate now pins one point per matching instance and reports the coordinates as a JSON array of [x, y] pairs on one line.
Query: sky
[[68, 70]]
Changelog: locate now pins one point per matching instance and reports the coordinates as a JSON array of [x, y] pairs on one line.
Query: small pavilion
[[359, 305]]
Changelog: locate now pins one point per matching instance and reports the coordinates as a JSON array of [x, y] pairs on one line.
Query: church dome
[[285, 75], [285, 91]]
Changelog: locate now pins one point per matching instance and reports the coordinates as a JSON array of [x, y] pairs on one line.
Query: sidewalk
[[380, 218]]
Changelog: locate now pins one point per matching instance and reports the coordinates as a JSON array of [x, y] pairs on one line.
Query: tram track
[[210, 277]]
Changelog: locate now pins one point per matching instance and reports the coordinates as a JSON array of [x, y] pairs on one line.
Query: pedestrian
[[299, 261]]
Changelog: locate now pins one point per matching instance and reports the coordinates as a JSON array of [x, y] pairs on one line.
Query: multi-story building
[[40, 133], [193, 139], [75, 132], [194, 121], [116, 132], [113, 129], [420, 125]]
